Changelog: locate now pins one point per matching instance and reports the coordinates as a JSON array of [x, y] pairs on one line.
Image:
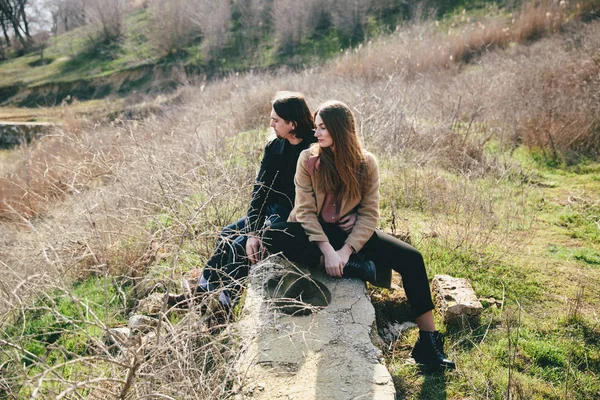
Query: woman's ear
[[294, 125]]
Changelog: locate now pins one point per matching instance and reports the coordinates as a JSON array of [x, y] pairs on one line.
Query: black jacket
[[275, 180]]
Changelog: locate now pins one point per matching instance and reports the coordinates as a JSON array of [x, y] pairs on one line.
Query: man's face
[[281, 127]]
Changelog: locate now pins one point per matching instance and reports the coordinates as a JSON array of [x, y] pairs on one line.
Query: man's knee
[[274, 235]]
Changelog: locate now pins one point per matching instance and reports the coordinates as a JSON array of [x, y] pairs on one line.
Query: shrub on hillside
[[350, 18], [106, 18], [292, 20], [213, 19], [66, 14], [172, 28], [562, 96], [422, 46]]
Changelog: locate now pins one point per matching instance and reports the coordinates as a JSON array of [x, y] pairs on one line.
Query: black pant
[[228, 263], [383, 249]]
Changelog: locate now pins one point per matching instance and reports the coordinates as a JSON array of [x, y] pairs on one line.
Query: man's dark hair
[[292, 107]]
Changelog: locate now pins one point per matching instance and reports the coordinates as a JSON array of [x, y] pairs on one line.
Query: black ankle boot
[[185, 300], [361, 269], [429, 352]]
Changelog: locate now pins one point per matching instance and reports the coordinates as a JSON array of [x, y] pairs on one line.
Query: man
[[239, 244]]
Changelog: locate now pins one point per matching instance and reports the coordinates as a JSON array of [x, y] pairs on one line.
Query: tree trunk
[[5, 30], [12, 15], [23, 16]]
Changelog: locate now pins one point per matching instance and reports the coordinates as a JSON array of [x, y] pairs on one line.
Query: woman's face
[[281, 127], [322, 134]]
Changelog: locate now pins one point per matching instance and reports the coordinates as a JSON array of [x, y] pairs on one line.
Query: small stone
[[116, 338], [142, 323], [191, 278], [456, 300], [150, 305], [148, 339]]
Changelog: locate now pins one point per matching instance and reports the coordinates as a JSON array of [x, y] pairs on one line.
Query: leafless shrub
[[66, 14], [106, 18], [172, 28], [213, 19], [253, 16], [421, 46], [546, 96], [350, 17], [290, 19], [169, 359]]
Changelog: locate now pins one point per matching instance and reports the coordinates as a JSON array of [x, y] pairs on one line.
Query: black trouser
[[228, 263], [383, 249]]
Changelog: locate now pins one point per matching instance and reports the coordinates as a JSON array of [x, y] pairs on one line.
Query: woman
[[333, 178]]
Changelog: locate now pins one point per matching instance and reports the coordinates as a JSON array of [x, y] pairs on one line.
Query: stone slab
[[325, 355]]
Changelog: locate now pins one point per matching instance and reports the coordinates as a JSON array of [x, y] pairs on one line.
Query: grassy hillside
[[153, 56], [488, 162]]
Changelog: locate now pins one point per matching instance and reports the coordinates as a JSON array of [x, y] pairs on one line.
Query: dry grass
[[425, 45]]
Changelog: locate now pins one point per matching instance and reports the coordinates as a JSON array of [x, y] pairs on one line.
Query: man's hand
[[347, 222], [254, 249]]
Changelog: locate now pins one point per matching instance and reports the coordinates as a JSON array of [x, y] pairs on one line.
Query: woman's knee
[[416, 256], [398, 253]]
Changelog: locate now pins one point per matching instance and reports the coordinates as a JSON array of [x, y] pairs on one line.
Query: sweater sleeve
[[265, 177], [306, 201], [368, 208]]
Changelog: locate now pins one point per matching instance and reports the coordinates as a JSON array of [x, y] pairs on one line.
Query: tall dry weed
[[423, 46], [546, 96]]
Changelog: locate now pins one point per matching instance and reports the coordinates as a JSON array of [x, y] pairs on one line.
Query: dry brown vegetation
[[123, 201]]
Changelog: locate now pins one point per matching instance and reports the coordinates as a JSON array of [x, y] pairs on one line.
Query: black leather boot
[[361, 269], [429, 352], [185, 300], [178, 300]]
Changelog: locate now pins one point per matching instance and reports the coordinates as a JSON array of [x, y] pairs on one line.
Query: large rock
[[327, 354], [456, 300]]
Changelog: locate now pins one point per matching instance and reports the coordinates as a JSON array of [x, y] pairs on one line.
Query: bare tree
[[14, 18], [66, 14], [2, 50], [253, 18], [294, 19], [213, 18], [5, 27], [107, 17], [172, 28], [350, 18], [251, 13]]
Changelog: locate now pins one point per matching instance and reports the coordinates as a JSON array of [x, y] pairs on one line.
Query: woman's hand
[[347, 222], [254, 249], [345, 252], [334, 264]]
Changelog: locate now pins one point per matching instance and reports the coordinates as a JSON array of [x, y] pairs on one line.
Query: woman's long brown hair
[[341, 170]]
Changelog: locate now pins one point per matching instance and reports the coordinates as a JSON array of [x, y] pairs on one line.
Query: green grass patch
[[62, 326]]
